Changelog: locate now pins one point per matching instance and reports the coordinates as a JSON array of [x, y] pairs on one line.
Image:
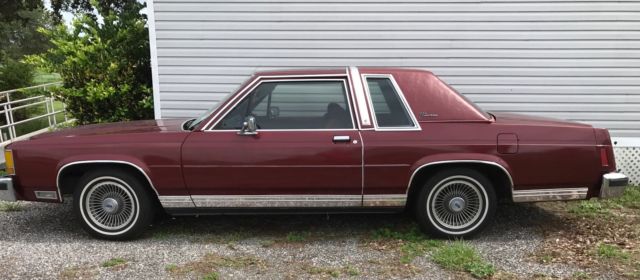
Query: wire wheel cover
[[457, 204], [110, 205]]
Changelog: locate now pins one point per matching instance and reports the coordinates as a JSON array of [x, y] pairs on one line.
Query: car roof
[[333, 71]]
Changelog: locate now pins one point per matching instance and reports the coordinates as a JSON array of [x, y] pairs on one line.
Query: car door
[[306, 151], [392, 145]]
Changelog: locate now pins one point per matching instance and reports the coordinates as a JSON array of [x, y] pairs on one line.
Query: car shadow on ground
[[46, 222], [510, 218]]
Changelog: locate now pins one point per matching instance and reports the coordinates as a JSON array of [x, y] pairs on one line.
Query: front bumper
[[613, 184], [7, 192]]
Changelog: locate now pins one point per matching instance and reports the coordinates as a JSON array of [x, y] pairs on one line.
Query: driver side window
[[293, 105]]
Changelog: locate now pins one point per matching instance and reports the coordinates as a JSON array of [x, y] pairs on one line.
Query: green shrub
[[105, 66]]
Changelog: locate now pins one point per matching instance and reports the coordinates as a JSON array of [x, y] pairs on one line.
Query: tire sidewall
[[143, 204], [423, 206]]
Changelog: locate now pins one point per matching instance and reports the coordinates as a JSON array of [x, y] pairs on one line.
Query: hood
[[145, 126], [518, 119]]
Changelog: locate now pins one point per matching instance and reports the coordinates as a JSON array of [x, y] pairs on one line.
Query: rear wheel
[[455, 203], [113, 204]]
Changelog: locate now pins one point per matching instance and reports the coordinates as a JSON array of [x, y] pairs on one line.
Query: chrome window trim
[[460, 161], [354, 107], [101, 161], [244, 94], [249, 87], [559, 194], [286, 130], [416, 125], [358, 88]]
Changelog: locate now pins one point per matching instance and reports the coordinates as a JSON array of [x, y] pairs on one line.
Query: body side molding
[[282, 201], [536, 195]]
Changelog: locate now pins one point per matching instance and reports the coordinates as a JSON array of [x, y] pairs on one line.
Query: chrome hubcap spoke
[[457, 204], [110, 205]]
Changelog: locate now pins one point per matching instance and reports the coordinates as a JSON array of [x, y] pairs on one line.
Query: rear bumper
[[613, 185], [7, 192]]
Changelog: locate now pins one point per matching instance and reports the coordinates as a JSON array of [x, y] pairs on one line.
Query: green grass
[[414, 242], [630, 198], [546, 258], [581, 275], [114, 262], [171, 267], [42, 77], [608, 251], [602, 207], [589, 208], [352, 271], [211, 276], [460, 256], [10, 206], [297, 236]]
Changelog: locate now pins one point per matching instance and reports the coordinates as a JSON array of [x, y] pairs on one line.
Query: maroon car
[[346, 140]]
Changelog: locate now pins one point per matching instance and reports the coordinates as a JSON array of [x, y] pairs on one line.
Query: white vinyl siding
[[576, 60]]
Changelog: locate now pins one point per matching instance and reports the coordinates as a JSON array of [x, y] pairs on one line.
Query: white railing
[[8, 130]]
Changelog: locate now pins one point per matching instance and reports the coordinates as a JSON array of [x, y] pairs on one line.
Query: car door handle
[[337, 139]]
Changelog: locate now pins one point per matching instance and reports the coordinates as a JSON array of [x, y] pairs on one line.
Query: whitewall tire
[[113, 204], [457, 202]]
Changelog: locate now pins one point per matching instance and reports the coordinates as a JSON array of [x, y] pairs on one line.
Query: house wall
[[576, 60]]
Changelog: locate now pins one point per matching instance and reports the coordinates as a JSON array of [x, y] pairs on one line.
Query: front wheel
[[455, 203], [113, 204]]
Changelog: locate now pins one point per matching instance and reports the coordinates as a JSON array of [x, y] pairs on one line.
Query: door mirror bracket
[[249, 126]]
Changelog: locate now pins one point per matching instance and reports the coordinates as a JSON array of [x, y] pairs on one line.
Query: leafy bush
[[105, 66]]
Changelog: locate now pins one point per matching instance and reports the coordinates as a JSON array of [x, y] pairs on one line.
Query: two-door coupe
[[344, 140]]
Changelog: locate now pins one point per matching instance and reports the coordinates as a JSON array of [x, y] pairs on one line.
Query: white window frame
[[412, 116]]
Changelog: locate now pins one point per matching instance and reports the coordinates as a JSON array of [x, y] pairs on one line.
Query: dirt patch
[[601, 236]]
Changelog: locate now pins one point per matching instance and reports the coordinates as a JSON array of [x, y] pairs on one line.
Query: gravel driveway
[[45, 241]]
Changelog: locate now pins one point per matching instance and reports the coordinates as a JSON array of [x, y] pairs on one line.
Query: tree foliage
[[19, 20], [15, 74], [86, 6], [105, 66]]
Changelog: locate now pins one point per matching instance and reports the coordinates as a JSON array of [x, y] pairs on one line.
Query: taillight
[[604, 157]]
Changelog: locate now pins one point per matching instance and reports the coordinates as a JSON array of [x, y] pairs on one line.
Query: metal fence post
[[6, 115], [46, 105], [12, 128], [53, 110]]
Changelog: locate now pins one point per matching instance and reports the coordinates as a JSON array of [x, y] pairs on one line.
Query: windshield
[[206, 114], [193, 124]]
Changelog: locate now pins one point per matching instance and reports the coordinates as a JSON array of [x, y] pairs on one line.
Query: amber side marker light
[[9, 165]]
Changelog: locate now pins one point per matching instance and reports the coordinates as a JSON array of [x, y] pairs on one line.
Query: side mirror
[[249, 126]]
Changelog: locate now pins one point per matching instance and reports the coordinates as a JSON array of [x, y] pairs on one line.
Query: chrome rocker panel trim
[[7, 192], [550, 194], [282, 201], [176, 201], [613, 185]]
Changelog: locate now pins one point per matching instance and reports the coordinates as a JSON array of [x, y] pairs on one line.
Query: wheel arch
[[497, 173], [71, 171]]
